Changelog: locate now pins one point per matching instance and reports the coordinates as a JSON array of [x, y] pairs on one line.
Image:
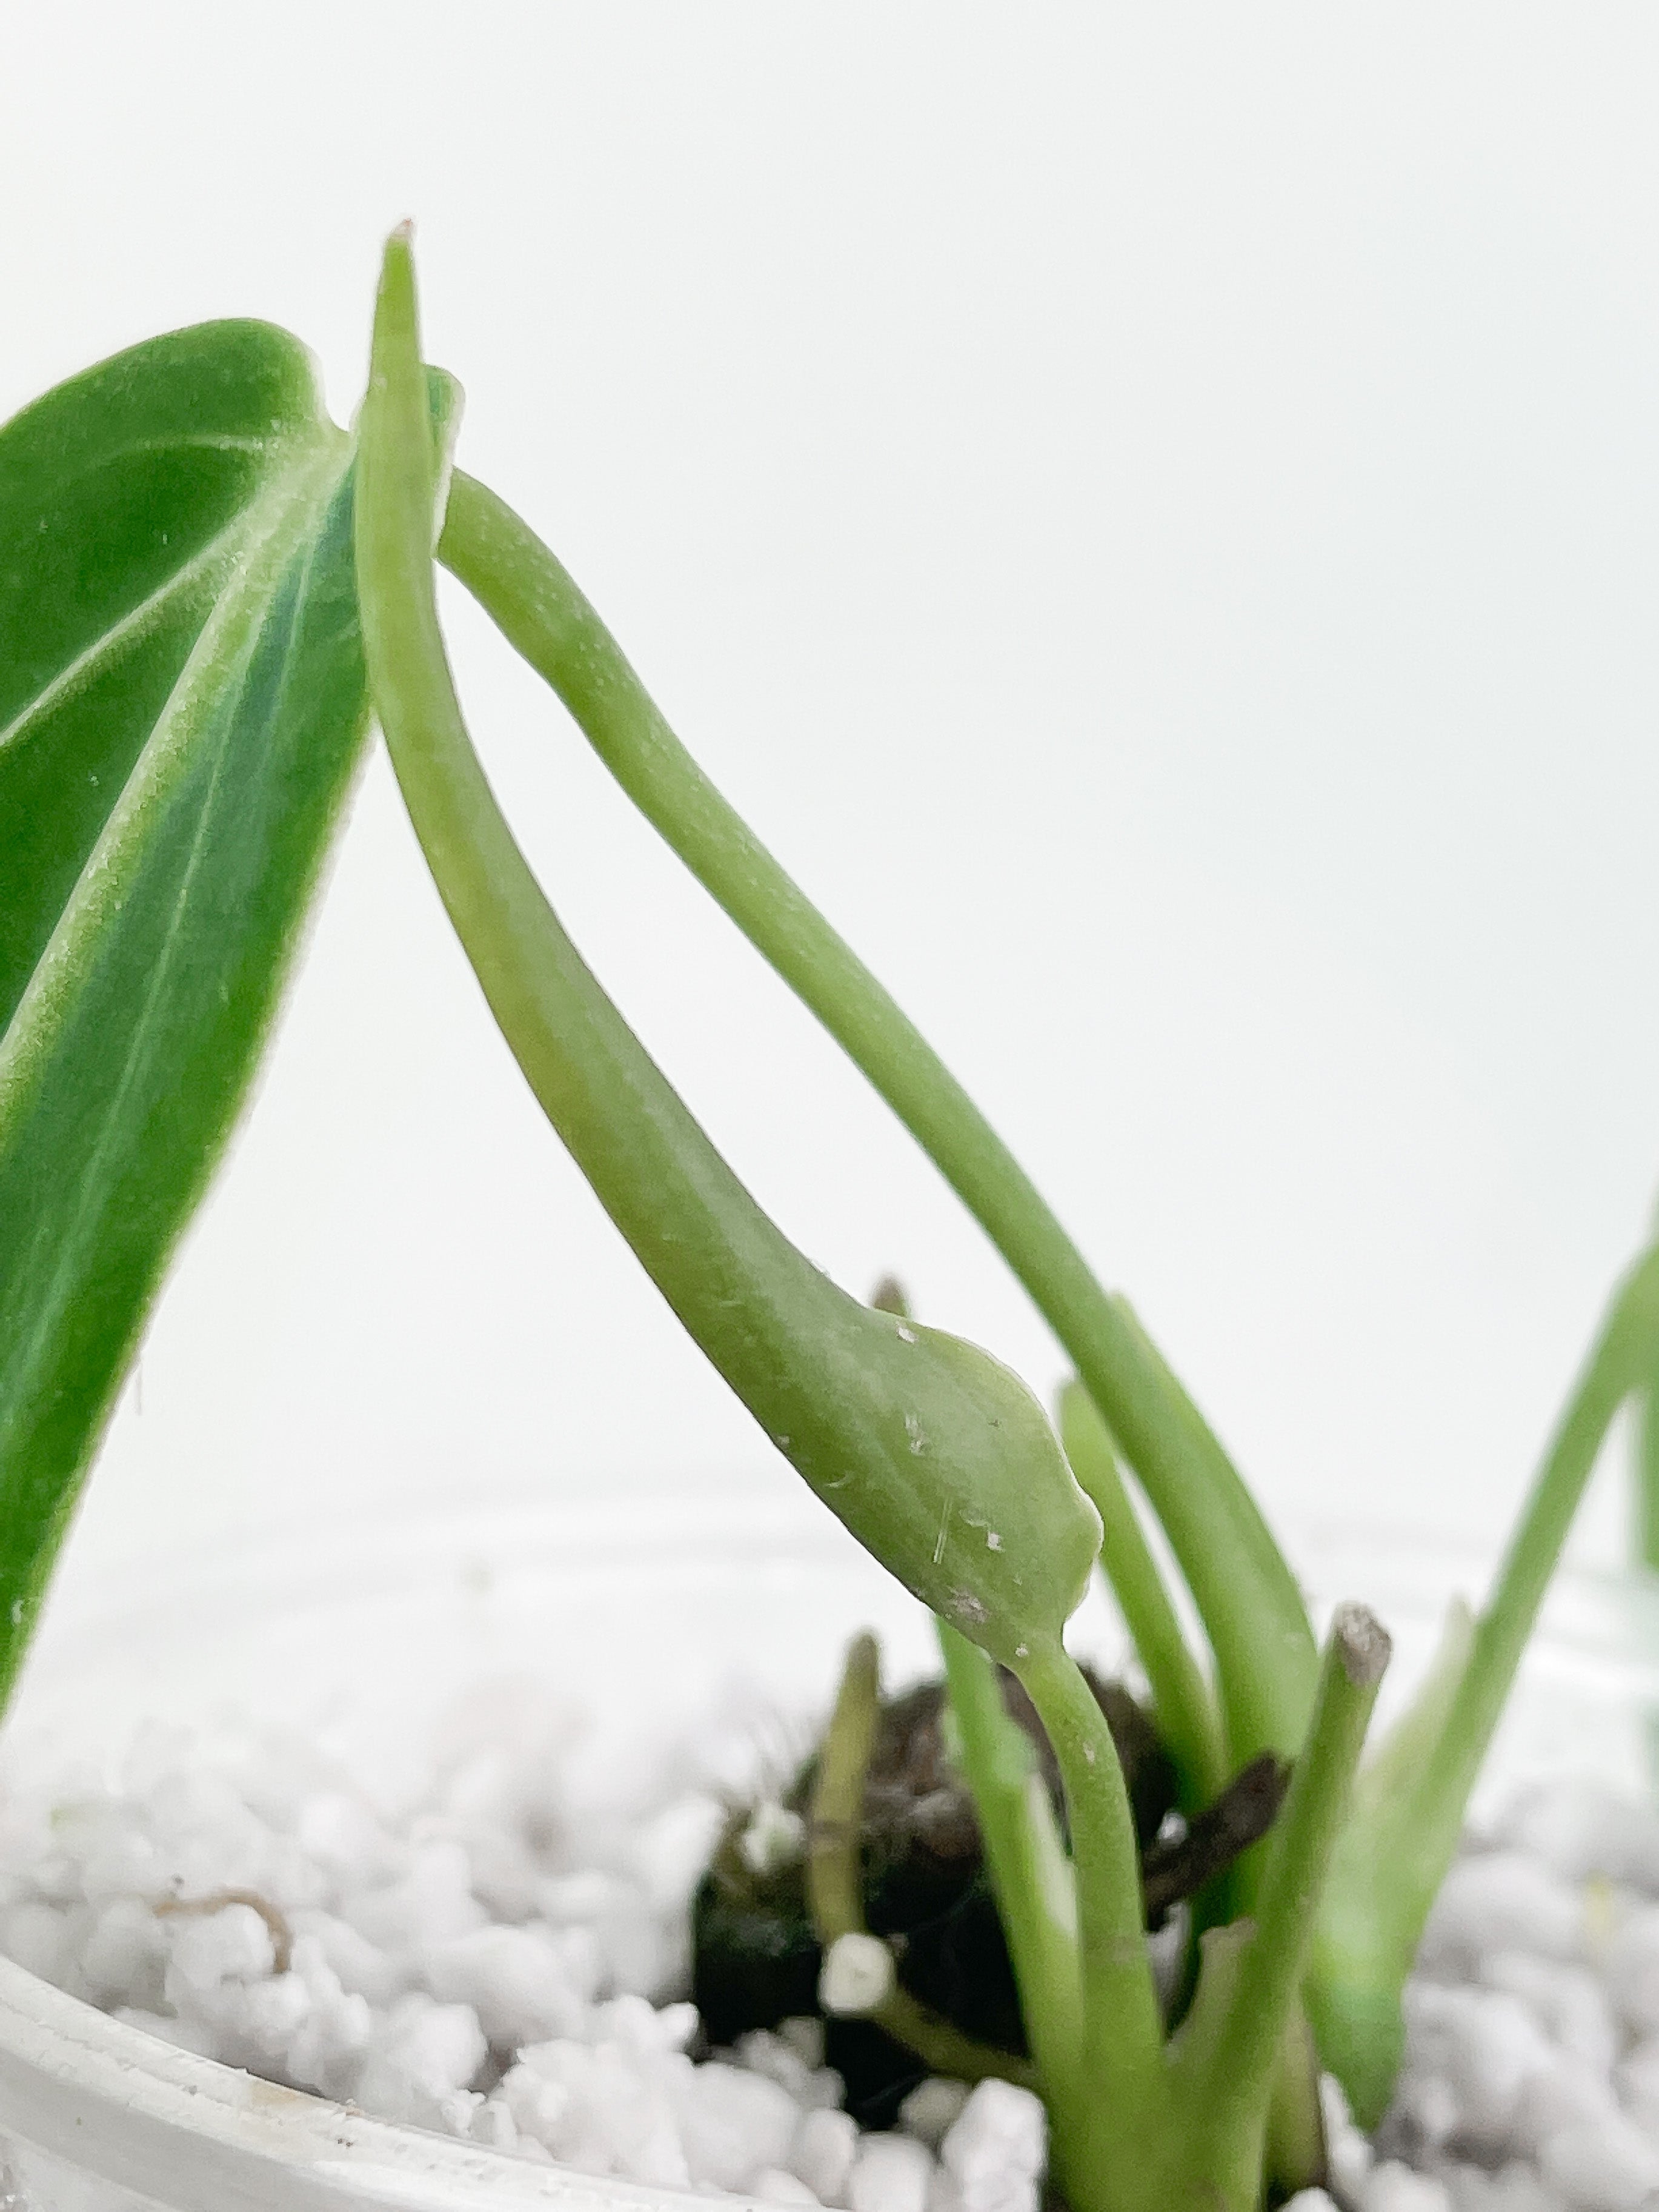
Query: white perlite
[[492, 1950], [1531, 2078], [856, 1976], [495, 1950]]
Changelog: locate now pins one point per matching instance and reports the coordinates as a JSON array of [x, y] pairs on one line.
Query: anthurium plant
[[208, 594]]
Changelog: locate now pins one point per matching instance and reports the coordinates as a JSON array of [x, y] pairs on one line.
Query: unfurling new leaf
[[935, 1456]]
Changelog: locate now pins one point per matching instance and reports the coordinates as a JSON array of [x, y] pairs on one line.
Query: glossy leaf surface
[[182, 700]]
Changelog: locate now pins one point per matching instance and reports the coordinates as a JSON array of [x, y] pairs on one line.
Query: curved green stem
[[1401, 1841], [653, 1168], [1246, 1596], [934, 1455], [1030, 1877], [1621, 1361], [1123, 2060], [1183, 1706]]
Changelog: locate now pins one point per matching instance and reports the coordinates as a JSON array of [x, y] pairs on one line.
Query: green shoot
[[1246, 1596], [1181, 1697], [825, 1378], [1031, 1878], [1122, 2031], [1186, 1715], [1402, 1840], [934, 1454], [930, 1452], [1226, 2138]]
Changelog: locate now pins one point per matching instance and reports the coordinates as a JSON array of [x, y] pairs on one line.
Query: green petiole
[[1403, 1836], [1015, 1540], [1122, 2063], [934, 1455], [1246, 1596], [1228, 2104], [1181, 1696], [1031, 1877]]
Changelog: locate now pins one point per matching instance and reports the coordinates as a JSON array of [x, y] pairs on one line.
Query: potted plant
[[207, 589]]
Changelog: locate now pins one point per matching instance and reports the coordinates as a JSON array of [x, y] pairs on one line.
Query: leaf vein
[[86, 664]]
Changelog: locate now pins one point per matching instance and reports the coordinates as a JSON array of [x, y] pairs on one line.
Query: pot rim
[[201, 2136]]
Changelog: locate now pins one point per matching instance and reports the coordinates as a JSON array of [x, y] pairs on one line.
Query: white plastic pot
[[663, 1601]]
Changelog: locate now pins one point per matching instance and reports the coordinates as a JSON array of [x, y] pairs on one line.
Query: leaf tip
[[398, 261]]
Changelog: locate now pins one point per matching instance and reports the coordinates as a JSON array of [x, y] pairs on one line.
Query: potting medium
[[489, 1940]]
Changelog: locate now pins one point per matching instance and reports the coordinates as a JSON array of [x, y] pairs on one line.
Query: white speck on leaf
[[992, 1541], [906, 1335], [912, 1430]]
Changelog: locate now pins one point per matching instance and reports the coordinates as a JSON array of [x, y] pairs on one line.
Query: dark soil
[[756, 1959]]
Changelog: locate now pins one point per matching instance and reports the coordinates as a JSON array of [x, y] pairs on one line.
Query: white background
[[1151, 511]]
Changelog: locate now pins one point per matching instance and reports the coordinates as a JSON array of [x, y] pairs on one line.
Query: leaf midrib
[[307, 503], [220, 548], [298, 501]]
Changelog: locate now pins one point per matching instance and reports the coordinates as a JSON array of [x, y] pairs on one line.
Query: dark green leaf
[[182, 700]]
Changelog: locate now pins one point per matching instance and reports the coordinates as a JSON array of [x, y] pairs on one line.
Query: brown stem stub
[[282, 1935], [1176, 1868], [1363, 1645]]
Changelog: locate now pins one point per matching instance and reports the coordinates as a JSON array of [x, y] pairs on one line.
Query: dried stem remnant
[[282, 1935]]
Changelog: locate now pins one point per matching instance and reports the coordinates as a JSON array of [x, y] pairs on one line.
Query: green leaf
[[1246, 1596], [935, 1456], [182, 700]]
